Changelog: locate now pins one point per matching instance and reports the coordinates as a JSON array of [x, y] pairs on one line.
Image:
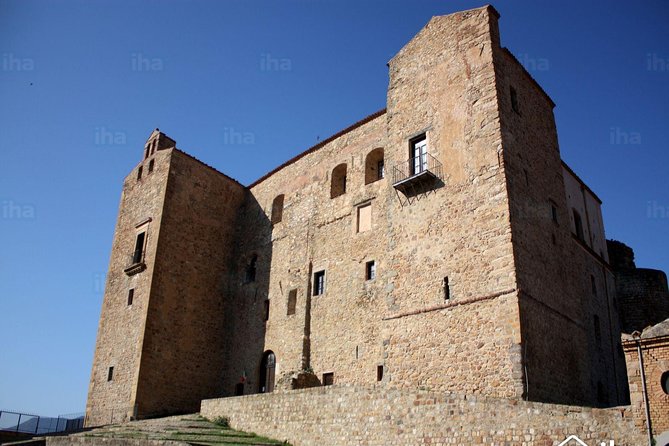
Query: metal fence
[[35, 424]]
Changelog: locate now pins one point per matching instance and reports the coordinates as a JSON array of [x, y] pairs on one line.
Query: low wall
[[355, 415]]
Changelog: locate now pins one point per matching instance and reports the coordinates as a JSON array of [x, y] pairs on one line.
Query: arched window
[[374, 167], [338, 181], [267, 368], [664, 382], [277, 209], [151, 164], [578, 225], [251, 269]]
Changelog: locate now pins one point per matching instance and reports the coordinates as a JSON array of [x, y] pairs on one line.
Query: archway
[[267, 368]]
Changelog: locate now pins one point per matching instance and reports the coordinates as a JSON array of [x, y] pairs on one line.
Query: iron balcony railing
[[419, 166]]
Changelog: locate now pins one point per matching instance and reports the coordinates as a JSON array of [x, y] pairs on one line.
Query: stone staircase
[[183, 430]]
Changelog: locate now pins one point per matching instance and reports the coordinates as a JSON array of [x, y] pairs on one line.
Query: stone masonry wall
[[356, 415], [121, 326], [569, 327], [655, 353]]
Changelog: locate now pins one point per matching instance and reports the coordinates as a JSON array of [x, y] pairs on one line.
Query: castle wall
[[345, 415], [121, 327], [185, 342], [569, 325]]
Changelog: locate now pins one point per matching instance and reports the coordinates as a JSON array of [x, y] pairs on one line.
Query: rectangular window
[[319, 283], [447, 289], [292, 302], [554, 212], [514, 100], [131, 295], [110, 374], [328, 379], [370, 270], [365, 217], [138, 254], [418, 146], [266, 309], [380, 169], [379, 373]]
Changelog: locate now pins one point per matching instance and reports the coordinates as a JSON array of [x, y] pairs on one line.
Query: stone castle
[[438, 244]]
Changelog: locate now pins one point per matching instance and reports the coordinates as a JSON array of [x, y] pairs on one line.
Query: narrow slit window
[[447, 289], [131, 296], [319, 283], [514, 100], [266, 309], [554, 212], [292, 302], [379, 373], [110, 374], [139, 173], [578, 226], [370, 270], [151, 164]]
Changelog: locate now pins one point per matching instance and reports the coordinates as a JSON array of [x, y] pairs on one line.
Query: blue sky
[[244, 86]]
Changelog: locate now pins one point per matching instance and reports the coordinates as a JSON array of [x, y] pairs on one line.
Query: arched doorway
[[267, 367]]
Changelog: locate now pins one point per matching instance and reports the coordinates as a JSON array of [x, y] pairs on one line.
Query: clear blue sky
[[245, 85]]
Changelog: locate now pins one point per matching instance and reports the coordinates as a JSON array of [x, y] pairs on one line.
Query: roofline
[[505, 50], [580, 181], [207, 165], [318, 146]]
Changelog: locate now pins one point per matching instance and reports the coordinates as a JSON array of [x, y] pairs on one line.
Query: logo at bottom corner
[[573, 440]]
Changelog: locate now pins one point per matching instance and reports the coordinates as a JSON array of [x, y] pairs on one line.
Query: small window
[[110, 374], [266, 309], [447, 289], [338, 181], [514, 100], [154, 146], [131, 296], [251, 269], [292, 302], [379, 373], [598, 332], [593, 285], [319, 283], [151, 164], [374, 166], [554, 212], [364, 218], [138, 253], [578, 225], [664, 382], [146, 152], [139, 173], [370, 270], [277, 209], [418, 154], [328, 379]]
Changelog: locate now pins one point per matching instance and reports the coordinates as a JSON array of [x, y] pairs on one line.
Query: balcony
[[135, 263], [418, 175]]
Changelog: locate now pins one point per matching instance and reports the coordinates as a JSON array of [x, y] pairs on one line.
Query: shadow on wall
[[247, 309]]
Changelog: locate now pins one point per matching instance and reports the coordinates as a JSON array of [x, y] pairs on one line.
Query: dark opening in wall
[[292, 302], [374, 166], [664, 382], [447, 289], [139, 173], [251, 269], [328, 379], [239, 389], [514, 100], [578, 225], [593, 285], [266, 309], [131, 295], [110, 374], [138, 253], [338, 181], [277, 209], [418, 154], [554, 212], [370, 270], [151, 164], [319, 283], [379, 373]]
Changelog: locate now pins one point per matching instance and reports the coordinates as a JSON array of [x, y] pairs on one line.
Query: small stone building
[[440, 243], [652, 345]]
